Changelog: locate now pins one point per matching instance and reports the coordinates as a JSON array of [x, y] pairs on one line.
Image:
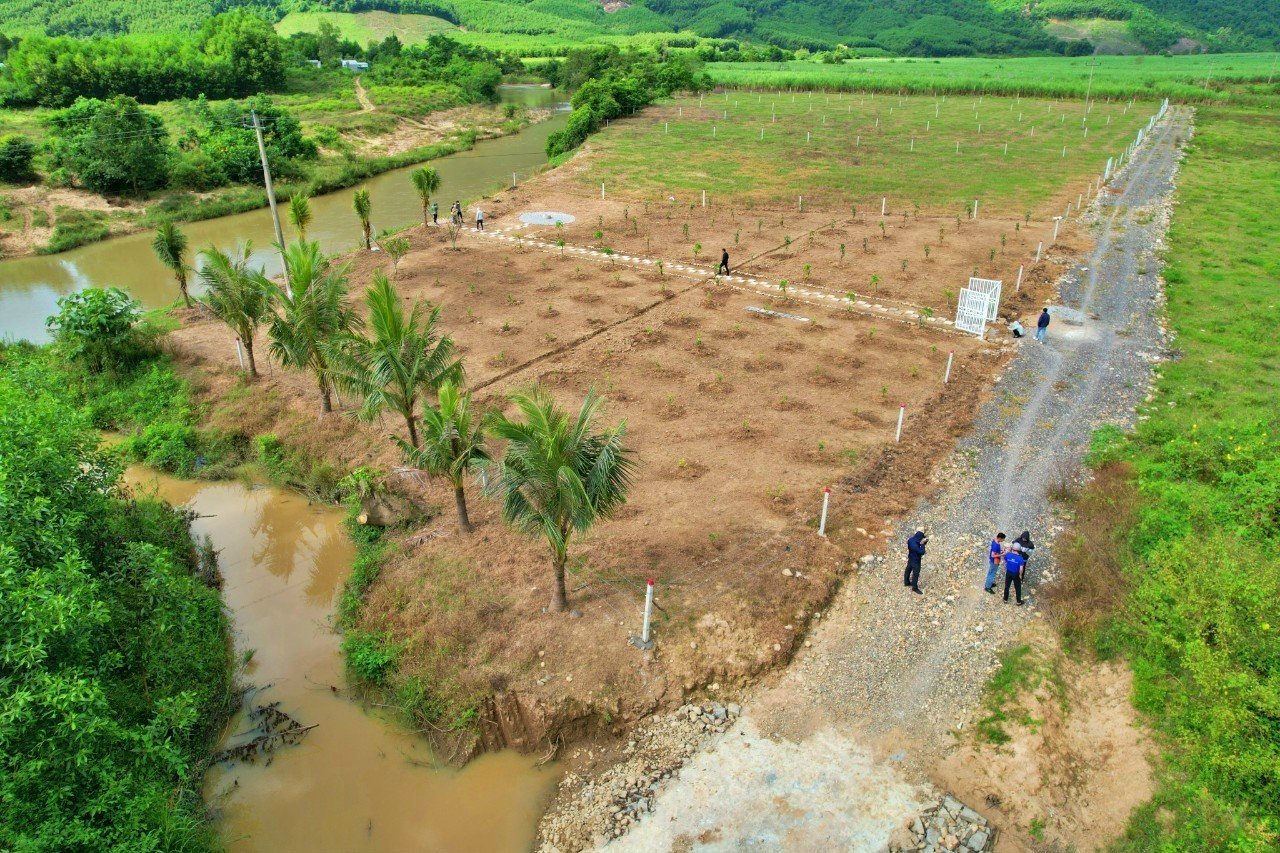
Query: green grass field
[[841, 150], [1240, 76], [364, 27]]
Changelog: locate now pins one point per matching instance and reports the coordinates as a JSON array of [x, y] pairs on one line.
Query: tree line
[[558, 475]]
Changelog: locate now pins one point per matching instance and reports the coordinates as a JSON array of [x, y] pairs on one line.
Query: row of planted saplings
[[558, 475]]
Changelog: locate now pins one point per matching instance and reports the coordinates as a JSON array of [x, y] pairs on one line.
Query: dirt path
[[366, 104], [891, 676]]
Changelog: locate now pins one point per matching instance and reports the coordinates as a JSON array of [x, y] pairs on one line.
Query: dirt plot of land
[[739, 420]]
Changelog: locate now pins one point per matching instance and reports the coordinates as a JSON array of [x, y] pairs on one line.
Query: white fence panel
[[991, 287], [971, 311]]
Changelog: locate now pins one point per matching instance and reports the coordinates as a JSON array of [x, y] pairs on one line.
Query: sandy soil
[[21, 236], [1078, 767]]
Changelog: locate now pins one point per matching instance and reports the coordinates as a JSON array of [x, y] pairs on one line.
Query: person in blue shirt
[[1013, 563], [994, 558], [1042, 325], [915, 553]]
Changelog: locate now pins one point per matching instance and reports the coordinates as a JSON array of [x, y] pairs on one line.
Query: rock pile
[[605, 806], [948, 825]]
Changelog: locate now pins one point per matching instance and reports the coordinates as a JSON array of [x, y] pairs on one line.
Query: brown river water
[[30, 287], [357, 782]]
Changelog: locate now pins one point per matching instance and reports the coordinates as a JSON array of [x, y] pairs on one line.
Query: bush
[[167, 446], [16, 156], [371, 657], [98, 329]]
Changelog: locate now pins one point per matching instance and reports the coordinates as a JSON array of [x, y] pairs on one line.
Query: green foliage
[[98, 329], [233, 55], [452, 443], [370, 657], [16, 155], [111, 146], [170, 247], [72, 227], [114, 660], [238, 296]]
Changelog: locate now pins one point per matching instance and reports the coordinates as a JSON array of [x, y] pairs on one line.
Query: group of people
[[1042, 326], [1013, 559], [455, 215]]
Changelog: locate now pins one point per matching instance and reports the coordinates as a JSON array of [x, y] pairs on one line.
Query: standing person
[[1042, 325], [915, 553], [479, 218], [435, 213], [455, 213], [995, 557], [723, 269], [1025, 547], [1013, 564]]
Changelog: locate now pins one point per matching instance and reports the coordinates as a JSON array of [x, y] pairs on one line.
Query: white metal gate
[[971, 311], [991, 287]]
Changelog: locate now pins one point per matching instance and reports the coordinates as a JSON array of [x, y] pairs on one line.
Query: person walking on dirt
[[479, 219], [435, 213], [455, 213], [994, 558], [723, 269], [1013, 565], [1042, 325], [915, 553]]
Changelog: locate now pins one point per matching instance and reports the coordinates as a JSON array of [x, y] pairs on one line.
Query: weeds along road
[[832, 754]]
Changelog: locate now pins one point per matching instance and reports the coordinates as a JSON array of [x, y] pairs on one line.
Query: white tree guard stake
[[902, 413], [1057, 223], [1064, 152], [704, 198], [1018, 286], [666, 127], [883, 201], [1039, 249], [1006, 148], [514, 181], [602, 191], [644, 641], [913, 144], [975, 208], [800, 202], [826, 500], [713, 131], [946, 376], [807, 135], [991, 287], [762, 133], [240, 352]]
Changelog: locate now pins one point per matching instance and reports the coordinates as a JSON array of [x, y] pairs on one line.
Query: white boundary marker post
[[1018, 286], [1057, 223], [975, 208], [946, 377], [826, 500], [902, 413], [644, 641], [602, 190], [1039, 249], [704, 198], [883, 201], [240, 352]]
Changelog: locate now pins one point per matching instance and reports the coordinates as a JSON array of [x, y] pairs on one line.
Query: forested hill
[[907, 27]]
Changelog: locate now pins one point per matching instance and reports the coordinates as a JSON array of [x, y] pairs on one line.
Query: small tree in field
[[300, 214], [402, 356], [364, 210], [452, 444], [558, 476], [397, 248], [426, 180], [170, 246], [239, 296]]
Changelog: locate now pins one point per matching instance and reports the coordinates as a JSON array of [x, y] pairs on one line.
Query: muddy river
[[357, 781], [30, 287]]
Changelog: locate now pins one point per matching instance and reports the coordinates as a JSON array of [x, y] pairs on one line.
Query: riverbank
[[42, 220]]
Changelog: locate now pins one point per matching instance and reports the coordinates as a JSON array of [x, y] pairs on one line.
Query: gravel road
[[890, 674]]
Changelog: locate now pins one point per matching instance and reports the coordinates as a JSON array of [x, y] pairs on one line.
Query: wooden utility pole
[[271, 200]]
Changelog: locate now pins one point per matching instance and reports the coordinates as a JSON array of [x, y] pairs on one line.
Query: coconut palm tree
[[364, 209], [558, 477], [402, 356], [170, 246], [426, 180], [300, 213], [239, 296], [316, 313], [452, 444]]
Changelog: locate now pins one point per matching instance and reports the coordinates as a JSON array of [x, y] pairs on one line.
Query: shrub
[[16, 155], [370, 656], [97, 328], [167, 446]]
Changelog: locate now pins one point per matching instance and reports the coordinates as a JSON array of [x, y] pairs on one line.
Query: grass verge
[[1192, 542]]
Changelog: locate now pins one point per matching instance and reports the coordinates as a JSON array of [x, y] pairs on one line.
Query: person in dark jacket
[[1042, 325], [1025, 545], [723, 269], [915, 553]]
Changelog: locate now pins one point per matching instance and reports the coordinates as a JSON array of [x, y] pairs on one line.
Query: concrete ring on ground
[[545, 217]]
